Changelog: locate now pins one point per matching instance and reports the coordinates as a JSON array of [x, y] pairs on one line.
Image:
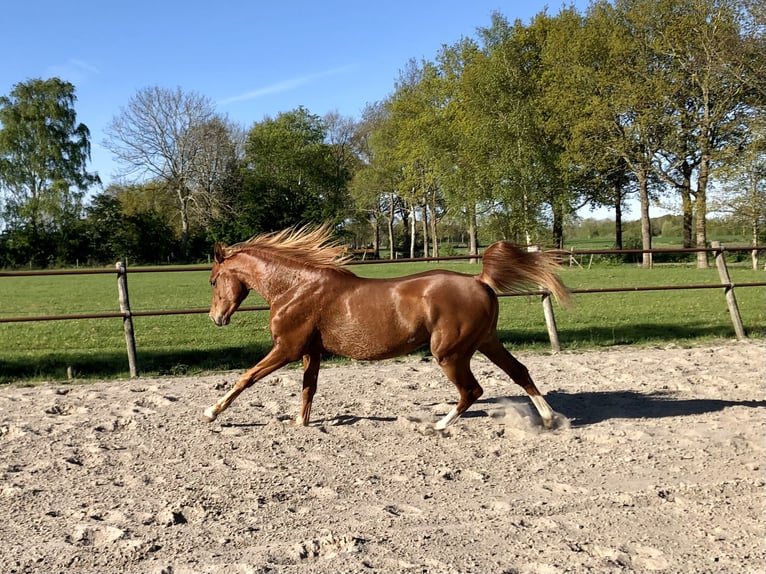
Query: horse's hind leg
[[310, 377], [458, 370], [493, 349]]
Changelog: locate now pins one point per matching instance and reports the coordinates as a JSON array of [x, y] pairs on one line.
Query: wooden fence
[[127, 314]]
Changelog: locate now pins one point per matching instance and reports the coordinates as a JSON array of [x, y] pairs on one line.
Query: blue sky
[[253, 59]]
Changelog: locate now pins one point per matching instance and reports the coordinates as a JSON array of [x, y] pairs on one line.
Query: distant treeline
[[506, 134]]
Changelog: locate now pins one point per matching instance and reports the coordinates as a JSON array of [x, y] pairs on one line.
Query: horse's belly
[[371, 343]]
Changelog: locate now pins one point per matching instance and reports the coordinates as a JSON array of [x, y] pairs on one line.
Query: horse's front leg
[[310, 377], [270, 363]]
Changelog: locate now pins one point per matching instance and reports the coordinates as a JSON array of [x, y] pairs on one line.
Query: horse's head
[[228, 289]]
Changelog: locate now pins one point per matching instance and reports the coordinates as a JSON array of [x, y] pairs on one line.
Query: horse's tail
[[508, 269]]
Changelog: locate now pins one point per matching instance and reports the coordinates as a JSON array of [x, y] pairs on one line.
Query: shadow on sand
[[588, 408]]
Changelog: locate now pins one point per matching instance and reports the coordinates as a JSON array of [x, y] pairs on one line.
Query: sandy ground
[[657, 466]]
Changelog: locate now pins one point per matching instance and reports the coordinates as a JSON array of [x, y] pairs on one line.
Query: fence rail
[[127, 314]]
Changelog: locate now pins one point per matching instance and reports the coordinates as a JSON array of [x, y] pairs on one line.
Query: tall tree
[[292, 174], [416, 126], [175, 138], [373, 186], [467, 180], [715, 70], [742, 195], [511, 125], [44, 153], [621, 96]]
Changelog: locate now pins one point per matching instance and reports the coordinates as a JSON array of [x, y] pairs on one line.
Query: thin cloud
[[75, 70], [281, 87]]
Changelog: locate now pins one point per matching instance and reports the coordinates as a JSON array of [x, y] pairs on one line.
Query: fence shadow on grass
[[609, 335], [53, 367]]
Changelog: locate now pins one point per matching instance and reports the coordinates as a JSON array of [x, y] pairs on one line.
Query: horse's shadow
[[581, 409], [339, 420], [587, 408], [346, 420]]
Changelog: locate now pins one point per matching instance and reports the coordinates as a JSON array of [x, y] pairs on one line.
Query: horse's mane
[[309, 245]]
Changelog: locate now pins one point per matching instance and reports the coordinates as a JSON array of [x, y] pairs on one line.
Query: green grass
[[191, 343]]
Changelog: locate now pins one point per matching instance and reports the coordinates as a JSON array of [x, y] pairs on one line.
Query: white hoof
[[209, 415], [447, 420]]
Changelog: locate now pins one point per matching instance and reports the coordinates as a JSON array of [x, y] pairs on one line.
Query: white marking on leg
[[210, 413], [447, 420], [544, 409]]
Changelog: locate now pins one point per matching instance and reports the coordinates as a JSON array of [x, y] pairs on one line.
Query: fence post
[[731, 300], [127, 318], [550, 322], [550, 319]]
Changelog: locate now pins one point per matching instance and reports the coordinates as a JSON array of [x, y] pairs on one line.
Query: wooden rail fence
[[127, 314]]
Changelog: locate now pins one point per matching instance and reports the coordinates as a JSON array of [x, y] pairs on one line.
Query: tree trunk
[[646, 223], [434, 225], [754, 252], [184, 205], [390, 224], [558, 226], [618, 213], [618, 226], [376, 236], [473, 239], [527, 231], [687, 208], [701, 212], [412, 231], [687, 212]]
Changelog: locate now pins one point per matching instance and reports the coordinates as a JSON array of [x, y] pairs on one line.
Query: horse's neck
[[269, 275]]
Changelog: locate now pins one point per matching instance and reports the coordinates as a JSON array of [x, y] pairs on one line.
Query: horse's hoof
[[207, 417]]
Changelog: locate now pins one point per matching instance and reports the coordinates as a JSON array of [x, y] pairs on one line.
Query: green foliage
[[506, 135], [43, 155], [140, 237], [292, 176]]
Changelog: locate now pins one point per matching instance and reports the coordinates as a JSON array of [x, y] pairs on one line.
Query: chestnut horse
[[317, 305]]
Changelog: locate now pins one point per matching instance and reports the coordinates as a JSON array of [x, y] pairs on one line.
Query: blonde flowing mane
[[312, 245]]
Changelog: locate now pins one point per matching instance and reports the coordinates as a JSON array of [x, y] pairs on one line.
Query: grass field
[[191, 343]]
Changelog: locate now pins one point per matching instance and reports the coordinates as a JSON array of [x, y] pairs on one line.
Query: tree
[[520, 155], [715, 69], [416, 131], [373, 185], [616, 102], [292, 175], [742, 196], [137, 237], [175, 138], [215, 174], [43, 155], [466, 179]]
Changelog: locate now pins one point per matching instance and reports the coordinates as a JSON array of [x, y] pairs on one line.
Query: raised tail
[[508, 269]]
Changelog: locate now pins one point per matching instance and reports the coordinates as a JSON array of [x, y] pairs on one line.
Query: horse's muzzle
[[219, 320]]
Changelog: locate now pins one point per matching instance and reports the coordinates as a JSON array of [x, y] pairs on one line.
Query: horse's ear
[[218, 252]]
